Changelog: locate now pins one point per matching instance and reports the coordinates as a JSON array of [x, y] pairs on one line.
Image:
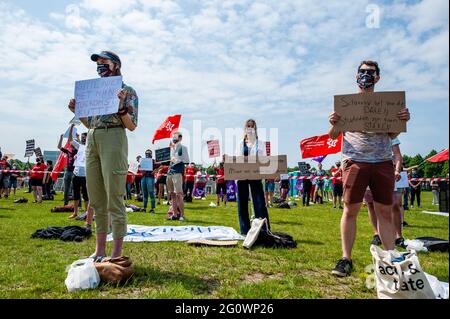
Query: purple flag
[[319, 159]]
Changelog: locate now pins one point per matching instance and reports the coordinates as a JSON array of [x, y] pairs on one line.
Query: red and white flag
[[320, 146], [213, 148], [440, 157], [61, 162], [166, 129]]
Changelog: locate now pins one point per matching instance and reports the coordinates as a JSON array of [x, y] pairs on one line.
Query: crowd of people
[[97, 172]]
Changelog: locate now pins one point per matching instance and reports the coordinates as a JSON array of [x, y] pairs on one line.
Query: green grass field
[[35, 268]]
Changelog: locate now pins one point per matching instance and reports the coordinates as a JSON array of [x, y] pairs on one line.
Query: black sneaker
[[343, 268], [405, 224], [376, 240], [152, 211], [400, 242]]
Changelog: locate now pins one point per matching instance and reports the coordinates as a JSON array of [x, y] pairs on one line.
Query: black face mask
[[366, 79], [103, 70], [147, 155]]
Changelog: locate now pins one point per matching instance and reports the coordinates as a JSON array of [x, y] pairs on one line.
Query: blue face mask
[[103, 70], [174, 141]]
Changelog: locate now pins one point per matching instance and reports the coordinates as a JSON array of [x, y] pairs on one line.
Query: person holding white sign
[[147, 165], [250, 146], [106, 158], [367, 161], [179, 157]]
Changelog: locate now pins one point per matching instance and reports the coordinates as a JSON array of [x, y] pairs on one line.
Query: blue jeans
[[259, 203], [148, 188]]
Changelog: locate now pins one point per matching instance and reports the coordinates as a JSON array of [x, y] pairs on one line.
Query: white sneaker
[[181, 219], [254, 231]]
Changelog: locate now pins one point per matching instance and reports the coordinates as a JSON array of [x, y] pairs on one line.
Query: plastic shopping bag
[[440, 288], [82, 275]]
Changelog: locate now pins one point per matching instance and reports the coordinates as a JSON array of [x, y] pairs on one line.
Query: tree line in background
[[426, 169]]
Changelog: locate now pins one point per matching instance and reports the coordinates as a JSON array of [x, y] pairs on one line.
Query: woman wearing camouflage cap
[[106, 159]]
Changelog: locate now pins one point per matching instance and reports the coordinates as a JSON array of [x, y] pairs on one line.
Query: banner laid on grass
[[138, 233]]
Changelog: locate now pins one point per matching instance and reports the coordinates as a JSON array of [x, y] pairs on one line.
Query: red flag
[[61, 162], [440, 157], [320, 146], [166, 129]]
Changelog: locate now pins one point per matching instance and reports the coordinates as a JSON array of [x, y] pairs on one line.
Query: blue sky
[[222, 62]]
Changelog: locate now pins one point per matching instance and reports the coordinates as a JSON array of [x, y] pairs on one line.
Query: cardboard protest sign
[[303, 168], [133, 168], [38, 152], [262, 167], [29, 150], [97, 96], [162, 155], [370, 112], [213, 148], [146, 164], [403, 182]]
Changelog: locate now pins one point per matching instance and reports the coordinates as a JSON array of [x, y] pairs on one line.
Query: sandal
[[97, 259]]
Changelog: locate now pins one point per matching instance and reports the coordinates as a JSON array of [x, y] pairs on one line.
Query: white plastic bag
[[82, 274], [416, 245], [399, 275], [440, 288]]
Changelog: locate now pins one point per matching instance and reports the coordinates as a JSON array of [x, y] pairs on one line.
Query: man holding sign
[[367, 158], [147, 166], [106, 155]]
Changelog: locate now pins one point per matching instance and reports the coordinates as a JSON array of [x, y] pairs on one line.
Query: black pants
[[259, 203], [47, 188], [79, 186], [188, 187], [307, 186], [137, 185], [415, 192]]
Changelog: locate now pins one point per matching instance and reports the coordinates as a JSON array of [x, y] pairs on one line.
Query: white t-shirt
[[80, 161]]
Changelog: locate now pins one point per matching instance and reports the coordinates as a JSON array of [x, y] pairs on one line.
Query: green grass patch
[[35, 268]]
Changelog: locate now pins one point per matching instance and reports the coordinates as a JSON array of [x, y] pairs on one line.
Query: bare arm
[[398, 160], [60, 142], [333, 119], [72, 109], [126, 118], [70, 133]]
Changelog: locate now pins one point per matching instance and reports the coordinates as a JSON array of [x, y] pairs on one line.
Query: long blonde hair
[[253, 122]]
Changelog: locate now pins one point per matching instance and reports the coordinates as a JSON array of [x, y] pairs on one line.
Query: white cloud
[[222, 61]]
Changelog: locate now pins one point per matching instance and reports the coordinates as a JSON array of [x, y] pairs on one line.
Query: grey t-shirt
[[366, 147]]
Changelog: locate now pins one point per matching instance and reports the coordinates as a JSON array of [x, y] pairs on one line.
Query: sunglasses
[[367, 71]]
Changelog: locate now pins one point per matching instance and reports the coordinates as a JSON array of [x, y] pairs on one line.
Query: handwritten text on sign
[[97, 96], [370, 112], [252, 168]]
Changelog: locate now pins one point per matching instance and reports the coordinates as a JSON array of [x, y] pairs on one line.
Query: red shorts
[[380, 178]]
